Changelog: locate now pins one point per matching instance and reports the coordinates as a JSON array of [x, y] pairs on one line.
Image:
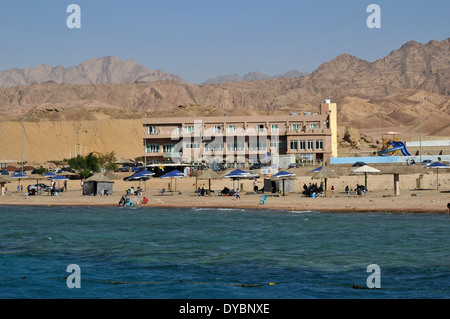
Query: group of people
[[312, 190], [131, 191], [359, 190], [126, 201]]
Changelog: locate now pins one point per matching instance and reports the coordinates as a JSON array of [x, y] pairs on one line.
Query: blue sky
[[200, 39]]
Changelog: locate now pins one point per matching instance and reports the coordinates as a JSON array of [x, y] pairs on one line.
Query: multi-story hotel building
[[241, 140]]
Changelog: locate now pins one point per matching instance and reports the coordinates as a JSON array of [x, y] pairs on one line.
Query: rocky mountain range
[[389, 88], [94, 71], [252, 76]]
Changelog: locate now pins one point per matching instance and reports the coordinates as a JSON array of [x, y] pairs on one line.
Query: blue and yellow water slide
[[396, 146]]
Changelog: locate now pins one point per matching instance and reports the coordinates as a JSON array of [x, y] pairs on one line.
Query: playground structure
[[392, 146]]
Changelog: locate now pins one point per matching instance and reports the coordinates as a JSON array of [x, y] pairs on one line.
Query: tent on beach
[[283, 176], [98, 184]]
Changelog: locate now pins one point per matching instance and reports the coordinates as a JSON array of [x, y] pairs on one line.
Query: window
[[260, 128], [319, 144], [217, 129], [274, 127], [192, 145], [152, 130], [214, 146], [303, 145], [152, 148], [190, 128], [295, 127], [231, 128], [233, 146], [257, 146], [168, 148], [310, 144], [294, 145], [312, 126], [280, 144]]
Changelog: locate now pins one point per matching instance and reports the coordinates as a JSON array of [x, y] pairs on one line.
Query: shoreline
[[247, 202]]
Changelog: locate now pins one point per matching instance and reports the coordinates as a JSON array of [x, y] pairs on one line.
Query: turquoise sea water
[[221, 253]]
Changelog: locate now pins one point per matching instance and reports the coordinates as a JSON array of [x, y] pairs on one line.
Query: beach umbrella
[[366, 169], [437, 166], [173, 174], [283, 175], [19, 176], [238, 174], [325, 173], [140, 176], [208, 174], [50, 174], [316, 169], [59, 178]]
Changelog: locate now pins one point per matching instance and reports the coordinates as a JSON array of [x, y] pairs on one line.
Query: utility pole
[[28, 117]]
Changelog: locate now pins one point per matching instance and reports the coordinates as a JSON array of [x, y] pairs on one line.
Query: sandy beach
[[380, 197]]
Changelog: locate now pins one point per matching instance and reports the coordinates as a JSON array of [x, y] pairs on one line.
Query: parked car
[[294, 165], [65, 169], [256, 166], [358, 164], [4, 172], [427, 162], [123, 169], [37, 187]]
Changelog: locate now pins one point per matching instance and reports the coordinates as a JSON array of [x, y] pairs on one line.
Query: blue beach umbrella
[[59, 178], [140, 176], [316, 170], [437, 166], [50, 174], [237, 174], [173, 174]]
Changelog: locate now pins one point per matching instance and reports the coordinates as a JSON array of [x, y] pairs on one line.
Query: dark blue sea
[[149, 253]]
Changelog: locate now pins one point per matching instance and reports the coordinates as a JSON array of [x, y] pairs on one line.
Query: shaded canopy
[[4, 179], [283, 175], [437, 166], [208, 174], [366, 169], [325, 173]]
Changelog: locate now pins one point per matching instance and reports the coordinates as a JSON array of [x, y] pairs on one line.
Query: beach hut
[[209, 175], [366, 169], [3, 181], [173, 174], [325, 173], [283, 176], [437, 166], [98, 184]]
